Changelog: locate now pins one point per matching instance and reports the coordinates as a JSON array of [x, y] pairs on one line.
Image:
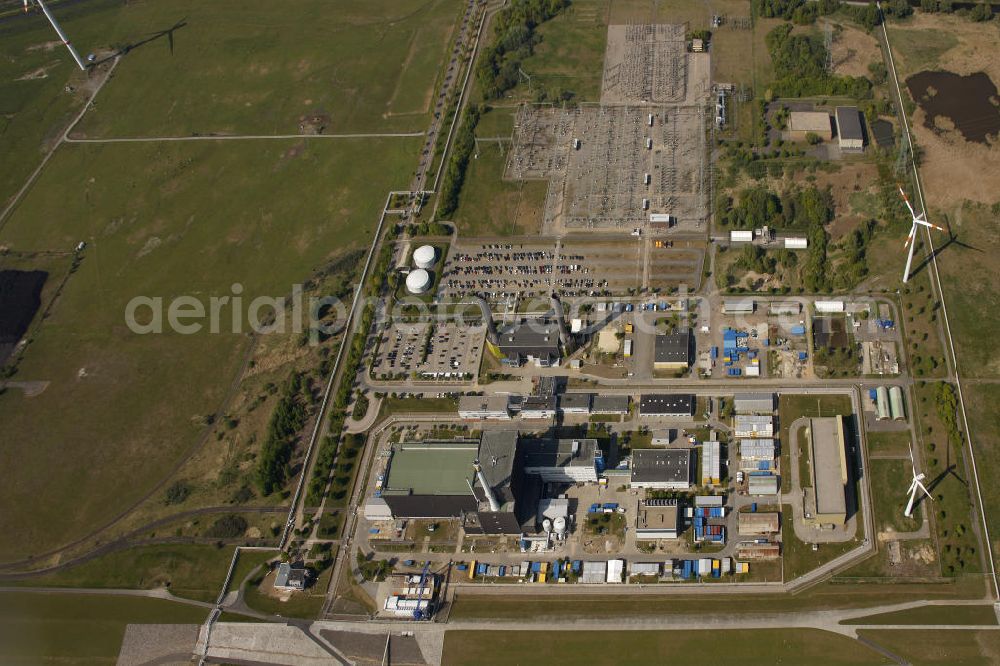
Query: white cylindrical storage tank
[[418, 281], [546, 525], [560, 525], [424, 256]]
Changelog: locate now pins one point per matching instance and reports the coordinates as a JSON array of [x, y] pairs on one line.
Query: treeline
[[461, 151], [947, 410], [514, 39], [800, 67], [288, 418], [382, 279], [802, 12]]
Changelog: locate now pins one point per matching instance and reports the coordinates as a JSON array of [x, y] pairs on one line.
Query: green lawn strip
[[529, 648], [959, 614], [939, 648], [190, 571], [78, 628]]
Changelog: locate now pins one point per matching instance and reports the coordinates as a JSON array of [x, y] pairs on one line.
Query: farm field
[[642, 647], [162, 220], [76, 628]]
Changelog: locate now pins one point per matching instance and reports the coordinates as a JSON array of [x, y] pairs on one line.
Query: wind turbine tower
[[911, 240], [916, 484], [59, 31]]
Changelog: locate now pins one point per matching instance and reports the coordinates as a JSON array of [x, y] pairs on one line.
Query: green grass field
[[161, 220], [960, 614], [305, 604], [259, 67], [889, 443], [40, 628], [940, 648], [771, 646], [489, 205], [889, 495], [981, 401], [798, 557], [190, 571]]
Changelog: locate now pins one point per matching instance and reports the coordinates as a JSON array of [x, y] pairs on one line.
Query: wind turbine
[[915, 485], [59, 31], [911, 240]]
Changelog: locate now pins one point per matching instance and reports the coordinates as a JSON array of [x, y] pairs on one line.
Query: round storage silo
[[425, 256], [418, 281], [560, 526]]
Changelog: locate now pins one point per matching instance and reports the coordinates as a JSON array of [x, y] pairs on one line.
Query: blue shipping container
[[798, 330], [536, 567], [803, 356], [715, 352]]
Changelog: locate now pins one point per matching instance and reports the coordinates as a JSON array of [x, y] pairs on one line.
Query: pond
[[20, 298], [969, 102]]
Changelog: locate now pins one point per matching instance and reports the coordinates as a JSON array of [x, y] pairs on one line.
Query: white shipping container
[[829, 306], [740, 236], [796, 243], [752, 371]]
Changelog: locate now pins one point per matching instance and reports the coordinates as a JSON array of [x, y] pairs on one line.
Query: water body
[[969, 102], [20, 298]]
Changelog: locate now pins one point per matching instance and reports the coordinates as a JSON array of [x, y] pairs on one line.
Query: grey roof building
[[561, 460], [661, 469], [673, 350], [610, 404], [534, 341], [667, 404], [575, 403], [291, 576], [850, 130], [753, 403]]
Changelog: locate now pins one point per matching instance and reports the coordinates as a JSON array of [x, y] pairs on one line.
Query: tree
[[812, 138], [981, 12]]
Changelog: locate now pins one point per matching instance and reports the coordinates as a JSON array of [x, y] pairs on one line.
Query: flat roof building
[[756, 524], [738, 306], [784, 308], [561, 460], [535, 341], [661, 469], [762, 485], [711, 463], [610, 404], [826, 501], [483, 407], [575, 403], [753, 426], [678, 405], [755, 451], [801, 123], [850, 129], [673, 351], [657, 519], [538, 407], [753, 403]]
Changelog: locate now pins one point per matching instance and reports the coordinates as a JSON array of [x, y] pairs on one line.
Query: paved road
[[242, 137]]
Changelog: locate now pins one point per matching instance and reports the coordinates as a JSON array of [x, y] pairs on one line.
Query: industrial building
[[495, 407], [757, 453], [850, 129], [562, 460], [657, 519], [784, 308], [610, 404], [673, 351], [738, 306], [741, 236], [534, 342], [661, 469], [761, 485], [711, 463], [826, 501], [538, 407], [753, 426], [752, 550], [673, 405], [753, 403], [575, 403], [802, 123], [829, 307], [882, 410], [418, 281], [758, 524], [663, 437], [442, 479], [896, 403], [291, 576]]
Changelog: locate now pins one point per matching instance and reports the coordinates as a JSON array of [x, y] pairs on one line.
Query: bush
[[229, 526], [177, 493]]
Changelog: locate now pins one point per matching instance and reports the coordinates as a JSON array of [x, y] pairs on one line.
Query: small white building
[[741, 236], [830, 307], [796, 243]]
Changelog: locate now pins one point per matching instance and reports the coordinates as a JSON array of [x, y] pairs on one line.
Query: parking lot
[[438, 351]]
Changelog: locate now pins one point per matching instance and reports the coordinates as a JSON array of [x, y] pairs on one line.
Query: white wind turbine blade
[[909, 236], [927, 224], [907, 202]]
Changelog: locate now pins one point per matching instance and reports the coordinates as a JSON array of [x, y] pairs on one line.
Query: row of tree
[[800, 67], [461, 152], [288, 418]]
